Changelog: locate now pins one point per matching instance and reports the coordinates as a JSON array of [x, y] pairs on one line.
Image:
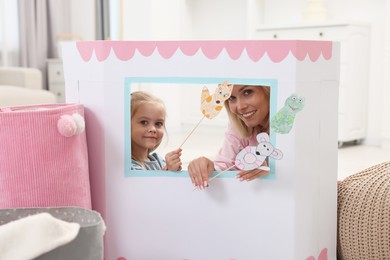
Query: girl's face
[[250, 104], [147, 128]]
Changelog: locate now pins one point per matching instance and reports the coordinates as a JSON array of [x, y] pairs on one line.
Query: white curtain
[[41, 22], [9, 37]]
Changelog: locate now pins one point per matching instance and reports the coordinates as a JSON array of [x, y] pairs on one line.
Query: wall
[[236, 19], [217, 19], [386, 86], [83, 19], [152, 19]]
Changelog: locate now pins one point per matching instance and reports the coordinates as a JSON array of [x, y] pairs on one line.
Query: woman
[[248, 110]]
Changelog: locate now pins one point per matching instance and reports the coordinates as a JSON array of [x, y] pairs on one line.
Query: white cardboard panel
[[290, 216]]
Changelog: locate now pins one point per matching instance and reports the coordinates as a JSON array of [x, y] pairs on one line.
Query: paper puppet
[[211, 105], [252, 157], [283, 120]]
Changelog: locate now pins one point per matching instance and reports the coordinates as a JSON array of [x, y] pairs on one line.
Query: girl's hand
[[173, 160], [250, 175], [200, 170]]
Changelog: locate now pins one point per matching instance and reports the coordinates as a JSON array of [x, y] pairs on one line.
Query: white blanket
[[34, 235]]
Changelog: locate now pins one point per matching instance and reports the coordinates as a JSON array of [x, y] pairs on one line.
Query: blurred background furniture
[[354, 39], [55, 77], [23, 86]]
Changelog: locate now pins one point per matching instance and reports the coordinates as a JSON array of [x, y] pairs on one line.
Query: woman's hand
[[173, 160], [199, 170], [250, 175]]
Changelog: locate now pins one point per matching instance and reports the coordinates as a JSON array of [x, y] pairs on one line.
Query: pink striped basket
[[43, 157]]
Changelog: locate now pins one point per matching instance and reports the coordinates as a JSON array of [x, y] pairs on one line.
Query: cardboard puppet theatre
[[288, 214]]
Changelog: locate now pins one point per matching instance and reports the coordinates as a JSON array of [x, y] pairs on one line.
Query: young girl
[[248, 110], [147, 131]]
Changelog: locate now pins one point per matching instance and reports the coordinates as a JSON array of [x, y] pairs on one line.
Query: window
[[9, 33]]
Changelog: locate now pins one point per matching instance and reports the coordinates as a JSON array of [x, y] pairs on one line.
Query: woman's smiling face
[[250, 104]]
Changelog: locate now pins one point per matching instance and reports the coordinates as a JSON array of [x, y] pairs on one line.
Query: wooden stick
[[191, 131], [217, 175], [221, 172], [263, 168]]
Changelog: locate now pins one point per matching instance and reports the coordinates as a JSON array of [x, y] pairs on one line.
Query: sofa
[[23, 86]]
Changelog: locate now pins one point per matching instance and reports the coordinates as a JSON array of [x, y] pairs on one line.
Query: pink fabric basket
[[43, 157]]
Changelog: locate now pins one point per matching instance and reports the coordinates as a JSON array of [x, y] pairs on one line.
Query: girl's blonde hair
[[242, 128], [139, 98]]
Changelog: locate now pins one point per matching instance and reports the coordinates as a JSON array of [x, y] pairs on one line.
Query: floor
[[354, 158]]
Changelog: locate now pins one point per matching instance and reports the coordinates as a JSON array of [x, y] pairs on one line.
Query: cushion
[[364, 214]]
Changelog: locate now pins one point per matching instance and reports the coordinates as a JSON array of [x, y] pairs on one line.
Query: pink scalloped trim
[[322, 256], [276, 50]]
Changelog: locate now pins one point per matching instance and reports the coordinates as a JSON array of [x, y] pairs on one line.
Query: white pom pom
[[66, 126], [80, 122]]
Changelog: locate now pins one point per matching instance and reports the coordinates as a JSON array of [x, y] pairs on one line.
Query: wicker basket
[[44, 157], [364, 215]]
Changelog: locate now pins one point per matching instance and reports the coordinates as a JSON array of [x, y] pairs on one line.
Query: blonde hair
[[139, 98], [241, 127]]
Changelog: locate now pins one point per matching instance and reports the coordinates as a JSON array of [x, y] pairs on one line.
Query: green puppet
[[283, 120]]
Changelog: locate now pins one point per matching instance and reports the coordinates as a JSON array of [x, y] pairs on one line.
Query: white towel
[[34, 235]]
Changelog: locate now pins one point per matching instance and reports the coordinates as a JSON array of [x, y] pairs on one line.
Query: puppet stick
[[212, 178], [192, 131], [218, 175]]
